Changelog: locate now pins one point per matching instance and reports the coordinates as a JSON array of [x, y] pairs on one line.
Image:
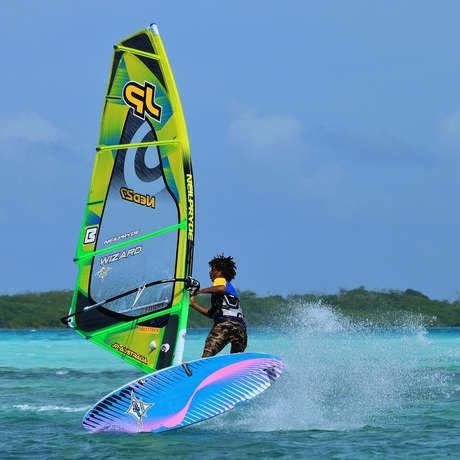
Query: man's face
[[214, 273]]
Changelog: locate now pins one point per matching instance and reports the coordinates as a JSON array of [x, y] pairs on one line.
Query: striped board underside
[[184, 394]]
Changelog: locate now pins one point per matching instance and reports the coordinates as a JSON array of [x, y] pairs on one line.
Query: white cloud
[[382, 148], [448, 131], [266, 137], [38, 169], [276, 151], [28, 127], [339, 171], [325, 182]]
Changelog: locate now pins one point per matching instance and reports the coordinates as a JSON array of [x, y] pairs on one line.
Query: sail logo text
[[90, 235], [191, 208], [145, 200], [121, 237], [115, 257], [148, 330], [132, 354], [142, 100]]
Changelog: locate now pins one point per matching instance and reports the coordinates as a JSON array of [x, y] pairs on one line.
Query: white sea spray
[[344, 373]]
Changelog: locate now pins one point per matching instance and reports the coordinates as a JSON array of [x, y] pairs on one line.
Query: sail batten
[[140, 144], [181, 226], [135, 250], [137, 52]]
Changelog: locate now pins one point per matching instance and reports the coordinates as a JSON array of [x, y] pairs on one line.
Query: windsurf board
[[184, 394]]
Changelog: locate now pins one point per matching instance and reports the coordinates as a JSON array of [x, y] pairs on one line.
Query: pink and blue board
[[184, 394]]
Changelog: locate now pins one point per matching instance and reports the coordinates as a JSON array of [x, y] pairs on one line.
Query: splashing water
[[341, 374]]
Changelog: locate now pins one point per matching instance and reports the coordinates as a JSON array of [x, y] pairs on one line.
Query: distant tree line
[[374, 308]]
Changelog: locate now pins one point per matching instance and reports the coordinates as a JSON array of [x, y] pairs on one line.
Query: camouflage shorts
[[224, 333]]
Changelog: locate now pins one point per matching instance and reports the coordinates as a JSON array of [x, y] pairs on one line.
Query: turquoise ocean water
[[348, 392]]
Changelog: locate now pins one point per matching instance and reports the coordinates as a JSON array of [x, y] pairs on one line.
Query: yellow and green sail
[[136, 243]]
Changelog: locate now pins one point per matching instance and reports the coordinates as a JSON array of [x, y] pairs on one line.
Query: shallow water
[[348, 391]]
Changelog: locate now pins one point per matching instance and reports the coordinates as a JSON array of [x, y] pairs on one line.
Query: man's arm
[[219, 289], [198, 307]]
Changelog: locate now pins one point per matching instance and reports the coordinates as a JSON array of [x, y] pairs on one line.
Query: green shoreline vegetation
[[43, 310]]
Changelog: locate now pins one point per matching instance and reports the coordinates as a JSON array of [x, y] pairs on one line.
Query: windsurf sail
[[136, 243]]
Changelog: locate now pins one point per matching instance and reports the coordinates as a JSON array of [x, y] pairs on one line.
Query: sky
[[325, 137]]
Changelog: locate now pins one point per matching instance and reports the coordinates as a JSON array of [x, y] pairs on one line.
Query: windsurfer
[[229, 325]]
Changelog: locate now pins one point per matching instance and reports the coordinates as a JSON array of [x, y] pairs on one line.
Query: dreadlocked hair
[[225, 265]]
